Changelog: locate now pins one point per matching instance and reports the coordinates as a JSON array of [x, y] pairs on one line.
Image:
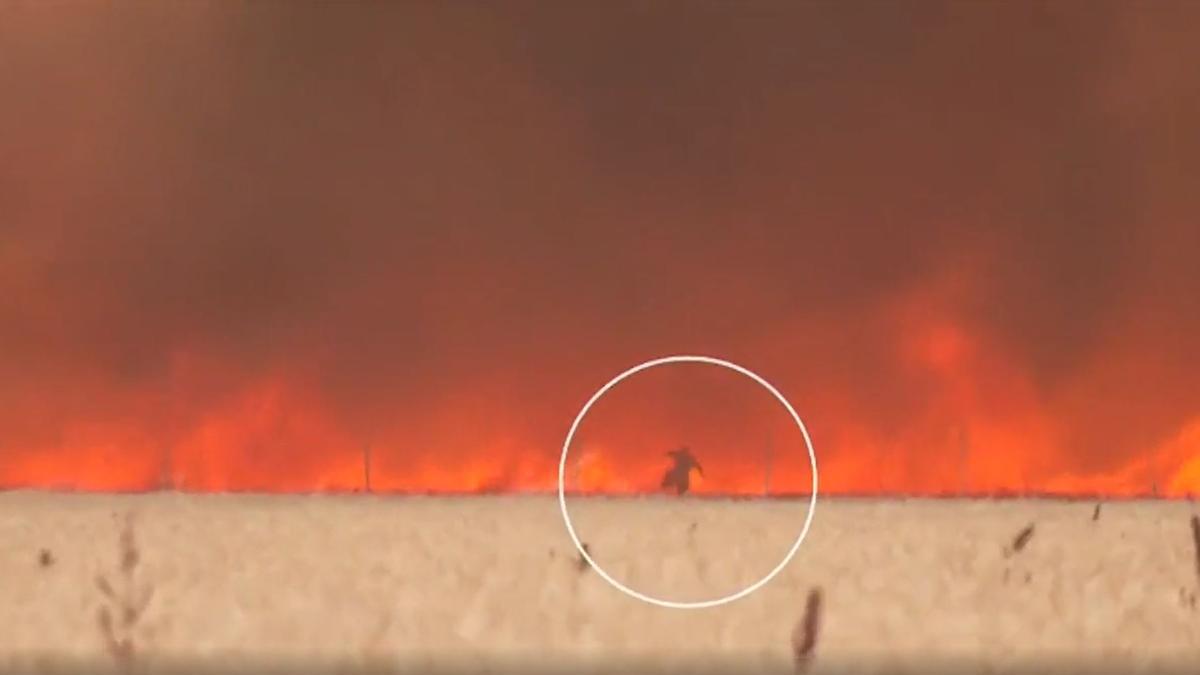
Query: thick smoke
[[257, 238]]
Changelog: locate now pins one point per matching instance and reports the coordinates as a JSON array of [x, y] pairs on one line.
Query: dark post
[[367, 467], [964, 450], [767, 472], [166, 479]]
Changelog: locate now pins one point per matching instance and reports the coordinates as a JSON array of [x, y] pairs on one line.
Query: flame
[[983, 427], [1183, 451], [985, 432], [418, 294], [272, 438]]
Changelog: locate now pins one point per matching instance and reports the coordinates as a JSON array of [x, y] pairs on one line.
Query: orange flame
[[983, 427]]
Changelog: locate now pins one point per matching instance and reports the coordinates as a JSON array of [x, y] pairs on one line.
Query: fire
[[982, 426], [1183, 451], [410, 276], [593, 472], [276, 437]]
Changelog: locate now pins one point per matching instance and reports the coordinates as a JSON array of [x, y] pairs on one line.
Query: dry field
[[153, 581]]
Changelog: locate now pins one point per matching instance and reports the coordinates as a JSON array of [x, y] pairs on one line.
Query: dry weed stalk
[[804, 635], [1196, 542], [582, 564], [1187, 599], [1020, 541], [697, 554], [124, 604]]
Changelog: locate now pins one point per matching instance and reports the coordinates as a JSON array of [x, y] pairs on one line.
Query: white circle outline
[[671, 604]]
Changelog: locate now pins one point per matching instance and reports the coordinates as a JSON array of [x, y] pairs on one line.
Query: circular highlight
[[672, 604]]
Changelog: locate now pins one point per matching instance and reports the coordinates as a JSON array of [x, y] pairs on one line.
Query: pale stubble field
[[376, 581]]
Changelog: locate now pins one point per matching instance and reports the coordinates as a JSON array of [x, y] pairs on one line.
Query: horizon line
[[693, 496]]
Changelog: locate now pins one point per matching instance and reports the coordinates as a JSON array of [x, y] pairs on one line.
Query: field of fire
[[689, 336]]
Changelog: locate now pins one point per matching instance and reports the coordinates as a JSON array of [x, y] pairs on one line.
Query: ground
[[476, 580]]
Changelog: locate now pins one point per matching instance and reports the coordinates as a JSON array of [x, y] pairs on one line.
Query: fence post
[[964, 449], [767, 468], [166, 478], [367, 467]]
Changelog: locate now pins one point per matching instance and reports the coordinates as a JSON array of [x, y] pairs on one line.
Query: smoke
[[258, 238]]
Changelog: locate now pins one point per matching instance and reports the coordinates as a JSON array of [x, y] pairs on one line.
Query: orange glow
[[397, 246], [982, 428], [985, 432], [250, 446], [1183, 451]]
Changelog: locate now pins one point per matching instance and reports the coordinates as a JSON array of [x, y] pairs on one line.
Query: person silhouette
[[679, 475]]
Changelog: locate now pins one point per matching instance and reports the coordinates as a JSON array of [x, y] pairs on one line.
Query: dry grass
[[804, 635], [1020, 541], [1196, 542], [123, 604], [581, 562], [320, 579]]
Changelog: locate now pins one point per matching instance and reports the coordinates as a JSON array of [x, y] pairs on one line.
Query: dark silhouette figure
[[679, 475]]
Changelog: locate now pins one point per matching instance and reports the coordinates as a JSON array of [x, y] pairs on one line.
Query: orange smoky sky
[[245, 246]]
